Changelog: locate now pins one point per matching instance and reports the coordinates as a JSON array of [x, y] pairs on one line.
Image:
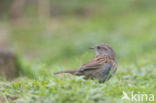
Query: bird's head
[[103, 49]]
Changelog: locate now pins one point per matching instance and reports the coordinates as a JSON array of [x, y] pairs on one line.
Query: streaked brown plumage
[[102, 66]]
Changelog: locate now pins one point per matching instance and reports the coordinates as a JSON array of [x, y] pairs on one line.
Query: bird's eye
[[98, 47]]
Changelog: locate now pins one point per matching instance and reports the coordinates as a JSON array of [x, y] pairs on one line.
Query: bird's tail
[[67, 71]]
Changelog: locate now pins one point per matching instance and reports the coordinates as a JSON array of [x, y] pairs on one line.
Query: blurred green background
[[58, 33]]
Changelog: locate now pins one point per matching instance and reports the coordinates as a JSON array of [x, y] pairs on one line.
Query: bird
[[101, 67]]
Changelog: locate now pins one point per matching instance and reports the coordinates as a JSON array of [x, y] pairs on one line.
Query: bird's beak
[[91, 47]]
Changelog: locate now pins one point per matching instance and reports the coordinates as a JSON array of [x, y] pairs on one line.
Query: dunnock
[[102, 66]]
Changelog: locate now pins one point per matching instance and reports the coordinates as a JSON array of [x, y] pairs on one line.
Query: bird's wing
[[94, 63]]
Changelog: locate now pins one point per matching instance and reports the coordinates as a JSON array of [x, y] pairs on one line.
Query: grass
[[46, 87], [60, 43]]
